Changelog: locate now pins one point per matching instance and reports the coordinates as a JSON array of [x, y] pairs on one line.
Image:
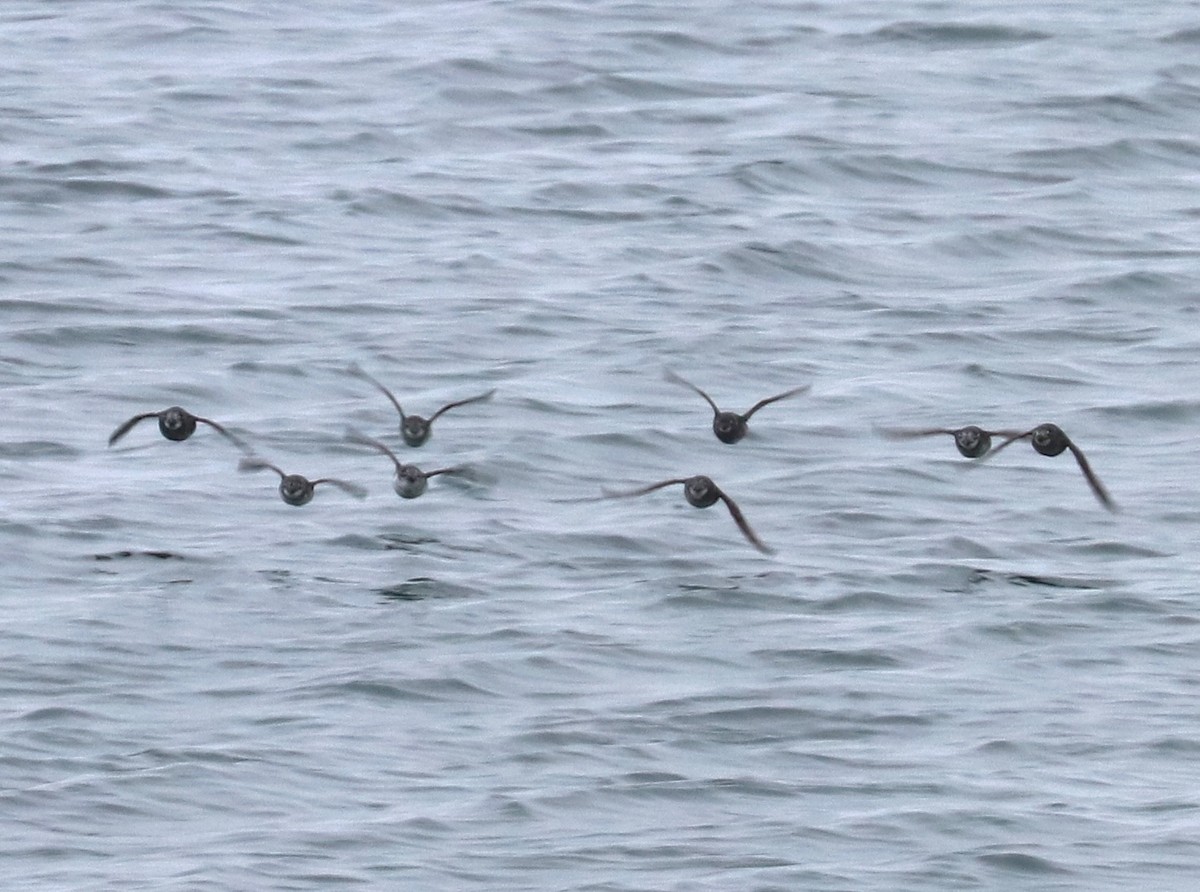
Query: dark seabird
[[1049, 439], [297, 490], [701, 492], [174, 424], [972, 441], [413, 428], [410, 480], [730, 426]]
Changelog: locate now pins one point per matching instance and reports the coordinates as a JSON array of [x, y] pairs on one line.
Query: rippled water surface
[[949, 674]]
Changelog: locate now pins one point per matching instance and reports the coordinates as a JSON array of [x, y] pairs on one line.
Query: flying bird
[[297, 490], [701, 492], [410, 480], [413, 428], [174, 423], [730, 426], [971, 441], [1049, 439]]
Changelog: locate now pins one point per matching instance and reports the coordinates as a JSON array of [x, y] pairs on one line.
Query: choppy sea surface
[[950, 674]]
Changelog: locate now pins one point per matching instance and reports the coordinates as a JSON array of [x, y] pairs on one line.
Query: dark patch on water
[[1020, 862], [1183, 35], [827, 658], [125, 555], [1046, 581], [420, 588], [38, 449], [955, 35]]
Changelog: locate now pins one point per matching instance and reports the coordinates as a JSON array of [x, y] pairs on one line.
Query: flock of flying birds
[[410, 481]]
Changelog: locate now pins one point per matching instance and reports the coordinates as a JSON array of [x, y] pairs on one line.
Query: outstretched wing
[[675, 379], [901, 433], [129, 425], [353, 436], [359, 492], [1012, 439], [236, 441], [1097, 487], [776, 398], [254, 463], [471, 399], [738, 518], [609, 494], [356, 370]]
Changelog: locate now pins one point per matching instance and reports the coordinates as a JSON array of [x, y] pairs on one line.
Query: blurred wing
[[236, 441], [1097, 487], [628, 494], [901, 433], [359, 492], [471, 399], [353, 436], [740, 520], [129, 425], [253, 463], [675, 379], [1012, 439], [356, 370], [776, 398]]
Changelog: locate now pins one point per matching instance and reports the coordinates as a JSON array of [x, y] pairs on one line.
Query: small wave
[[421, 588], [576, 130], [113, 188], [388, 203], [853, 602], [239, 234], [1175, 745], [954, 35], [1079, 583], [1021, 862], [138, 335], [291, 370], [1183, 35], [420, 689], [91, 167], [57, 714], [1125, 603], [1137, 283], [797, 257], [1113, 106], [38, 449], [1119, 155], [649, 89], [827, 658], [1005, 239], [128, 555], [1119, 549], [773, 177], [1179, 410]]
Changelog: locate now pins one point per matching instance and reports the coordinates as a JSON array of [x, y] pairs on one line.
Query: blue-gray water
[[950, 675]]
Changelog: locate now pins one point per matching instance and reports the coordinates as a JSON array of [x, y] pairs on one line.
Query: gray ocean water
[[949, 675]]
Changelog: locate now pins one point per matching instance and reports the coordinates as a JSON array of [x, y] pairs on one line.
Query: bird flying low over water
[[297, 490], [971, 441], [413, 428], [174, 423], [701, 492], [410, 480], [1050, 440], [730, 426]]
